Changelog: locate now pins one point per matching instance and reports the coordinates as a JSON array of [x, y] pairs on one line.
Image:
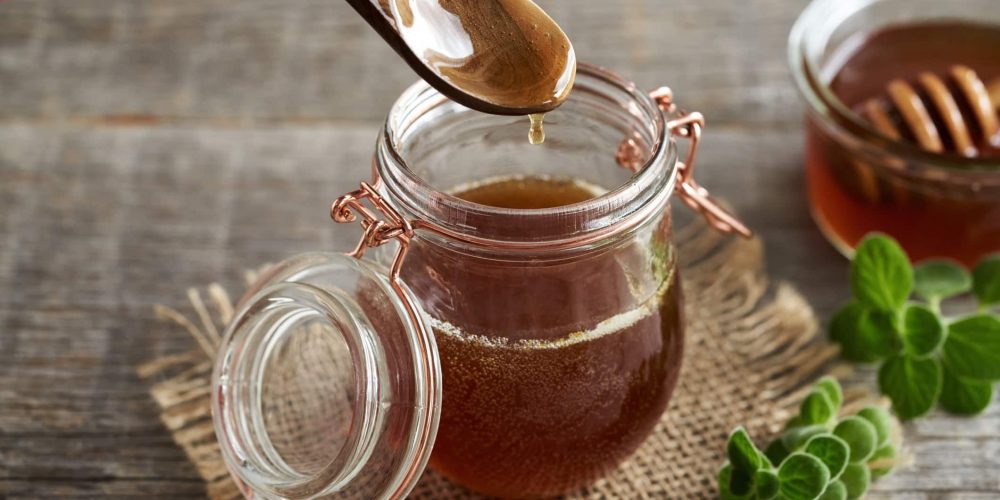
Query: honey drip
[[536, 134]]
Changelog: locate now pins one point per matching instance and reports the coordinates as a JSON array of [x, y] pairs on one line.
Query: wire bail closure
[[382, 223], [690, 125], [377, 231]]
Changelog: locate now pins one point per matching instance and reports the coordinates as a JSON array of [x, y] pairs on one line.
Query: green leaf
[[860, 436], [816, 408], [940, 279], [725, 477], [794, 438], [881, 276], [803, 477], [766, 484], [964, 396], [922, 331], [776, 451], [742, 453], [880, 419], [856, 478], [740, 482], [792, 423], [972, 349], [831, 388], [864, 335], [831, 450], [886, 451], [835, 491], [912, 384], [986, 280]]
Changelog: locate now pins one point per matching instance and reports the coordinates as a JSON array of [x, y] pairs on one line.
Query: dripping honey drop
[[536, 134]]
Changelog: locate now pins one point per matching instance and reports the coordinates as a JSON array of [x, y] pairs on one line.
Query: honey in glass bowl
[[845, 56]]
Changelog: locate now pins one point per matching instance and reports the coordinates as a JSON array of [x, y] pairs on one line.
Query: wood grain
[[148, 146], [315, 60]]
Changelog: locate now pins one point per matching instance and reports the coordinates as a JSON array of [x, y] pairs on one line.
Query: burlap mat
[[750, 354]]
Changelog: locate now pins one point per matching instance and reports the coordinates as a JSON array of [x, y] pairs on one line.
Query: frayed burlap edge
[[751, 354]]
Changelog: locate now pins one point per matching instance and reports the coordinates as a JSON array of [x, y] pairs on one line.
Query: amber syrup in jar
[[850, 199], [530, 405]]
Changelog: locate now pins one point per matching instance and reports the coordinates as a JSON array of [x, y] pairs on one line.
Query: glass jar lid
[[327, 382]]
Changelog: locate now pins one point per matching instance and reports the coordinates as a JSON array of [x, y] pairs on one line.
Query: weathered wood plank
[[315, 60], [149, 146], [102, 488], [129, 455]]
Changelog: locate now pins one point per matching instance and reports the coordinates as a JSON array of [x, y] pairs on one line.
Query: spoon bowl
[[503, 57]]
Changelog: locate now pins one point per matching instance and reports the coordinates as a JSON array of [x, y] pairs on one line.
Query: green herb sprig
[[819, 456], [926, 358]]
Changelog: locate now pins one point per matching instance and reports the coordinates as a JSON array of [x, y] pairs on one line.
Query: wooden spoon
[[504, 57]]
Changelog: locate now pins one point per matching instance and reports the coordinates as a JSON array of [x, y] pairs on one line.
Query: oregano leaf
[[880, 419], [792, 423], [835, 491], [742, 453], [881, 276], [860, 436], [776, 451], [831, 450], [795, 437], [864, 335], [856, 479], [986, 280], [803, 477], [766, 484], [885, 453], [923, 331], [831, 388], [972, 349], [964, 396], [816, 408], [740, 482], [725, 478], [912, 384], [940, 279]]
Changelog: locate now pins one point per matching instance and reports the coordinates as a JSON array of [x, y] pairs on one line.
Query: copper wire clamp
[[690, 125], [384, 223]]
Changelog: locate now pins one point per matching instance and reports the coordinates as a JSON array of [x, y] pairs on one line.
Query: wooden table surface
[[150, 145]]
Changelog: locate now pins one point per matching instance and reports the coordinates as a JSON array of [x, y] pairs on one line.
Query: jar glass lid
[[328, 382]]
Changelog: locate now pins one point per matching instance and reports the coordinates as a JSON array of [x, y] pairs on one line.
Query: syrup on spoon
[[504, 57]]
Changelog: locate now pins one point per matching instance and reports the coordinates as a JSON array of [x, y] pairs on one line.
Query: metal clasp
[[384, 224], [377, 231], [690, 125]]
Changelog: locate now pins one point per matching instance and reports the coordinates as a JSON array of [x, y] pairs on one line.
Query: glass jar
[[522, 351], [935, 205]]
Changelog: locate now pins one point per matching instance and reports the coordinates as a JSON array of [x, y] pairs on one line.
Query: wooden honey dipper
[[965, 107]]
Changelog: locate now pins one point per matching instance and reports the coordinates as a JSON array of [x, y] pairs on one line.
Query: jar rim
[[611, 213], [808, 37]]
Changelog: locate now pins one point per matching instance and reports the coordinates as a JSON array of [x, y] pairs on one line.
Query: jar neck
[[600, 98]]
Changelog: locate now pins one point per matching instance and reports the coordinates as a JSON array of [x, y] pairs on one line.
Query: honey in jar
[[511, 316], [553, 371], [869, 166]]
